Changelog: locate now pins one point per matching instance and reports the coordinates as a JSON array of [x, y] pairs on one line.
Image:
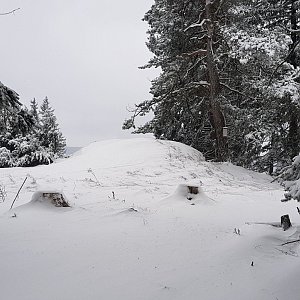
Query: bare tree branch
[[236, 91], [296, 241], [10, 12]]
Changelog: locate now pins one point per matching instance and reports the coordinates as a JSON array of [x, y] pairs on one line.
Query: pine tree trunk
[[293, 137], [293, 122], [218, 121], [294, 35]]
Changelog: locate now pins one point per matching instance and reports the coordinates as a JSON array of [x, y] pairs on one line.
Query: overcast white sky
[[84, 55]]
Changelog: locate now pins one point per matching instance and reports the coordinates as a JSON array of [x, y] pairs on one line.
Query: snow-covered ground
[[131, 232]]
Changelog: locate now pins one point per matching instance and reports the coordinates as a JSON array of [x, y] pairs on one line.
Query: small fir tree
[[49, 133]]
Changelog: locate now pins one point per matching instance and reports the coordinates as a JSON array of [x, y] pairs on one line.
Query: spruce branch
[[284, 60]]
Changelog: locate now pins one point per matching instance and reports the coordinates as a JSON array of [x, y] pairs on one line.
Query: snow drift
[[132, 232], [190, 194]]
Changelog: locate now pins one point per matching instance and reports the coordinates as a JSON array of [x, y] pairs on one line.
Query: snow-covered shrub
[[24, 151], [3, 193], [6, 158], [290, 178]]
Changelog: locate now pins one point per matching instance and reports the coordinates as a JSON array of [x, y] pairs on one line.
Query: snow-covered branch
[[200, 52], [196, 25]]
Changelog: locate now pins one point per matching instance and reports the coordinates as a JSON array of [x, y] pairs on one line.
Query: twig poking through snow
[[290, 242], [10, 12], [3, 193], [96, 179], [132, 209], [18, 193], [237, 231], [274, 224], [287, 253]]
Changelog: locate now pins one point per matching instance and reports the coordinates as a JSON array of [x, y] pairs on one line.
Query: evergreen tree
[[34, 110], [198, 92], [222, 60], [9, 99], [184, 38], [20, 143], [49, 133], [269, 50]]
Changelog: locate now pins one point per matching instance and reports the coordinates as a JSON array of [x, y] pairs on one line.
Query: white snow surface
[[131, 232]]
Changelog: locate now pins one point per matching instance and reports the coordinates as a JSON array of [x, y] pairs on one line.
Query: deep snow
[[131, 232]]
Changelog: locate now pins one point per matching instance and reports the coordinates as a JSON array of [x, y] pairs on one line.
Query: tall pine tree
[[184, 37]]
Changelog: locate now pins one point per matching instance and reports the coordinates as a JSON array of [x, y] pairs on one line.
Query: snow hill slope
[[131, 232]]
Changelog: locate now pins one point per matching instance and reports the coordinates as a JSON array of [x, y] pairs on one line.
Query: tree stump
[[285, 222], [193, 190], [57, 199]]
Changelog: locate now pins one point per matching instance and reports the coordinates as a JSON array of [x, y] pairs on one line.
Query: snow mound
[[190, 194], [120, 223], [45, 200], [132, 152]]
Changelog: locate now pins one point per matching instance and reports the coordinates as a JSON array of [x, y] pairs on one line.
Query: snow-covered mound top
[[129, 152]]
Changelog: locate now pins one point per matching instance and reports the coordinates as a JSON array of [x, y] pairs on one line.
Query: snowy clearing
[[131, 232]]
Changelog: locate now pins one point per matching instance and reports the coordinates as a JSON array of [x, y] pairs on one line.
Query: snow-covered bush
[[290, 178], [6, 158], [23, 151]]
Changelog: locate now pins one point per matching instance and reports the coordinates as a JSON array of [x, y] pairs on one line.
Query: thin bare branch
[[10, 12], [296, 241], [236, 91]]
